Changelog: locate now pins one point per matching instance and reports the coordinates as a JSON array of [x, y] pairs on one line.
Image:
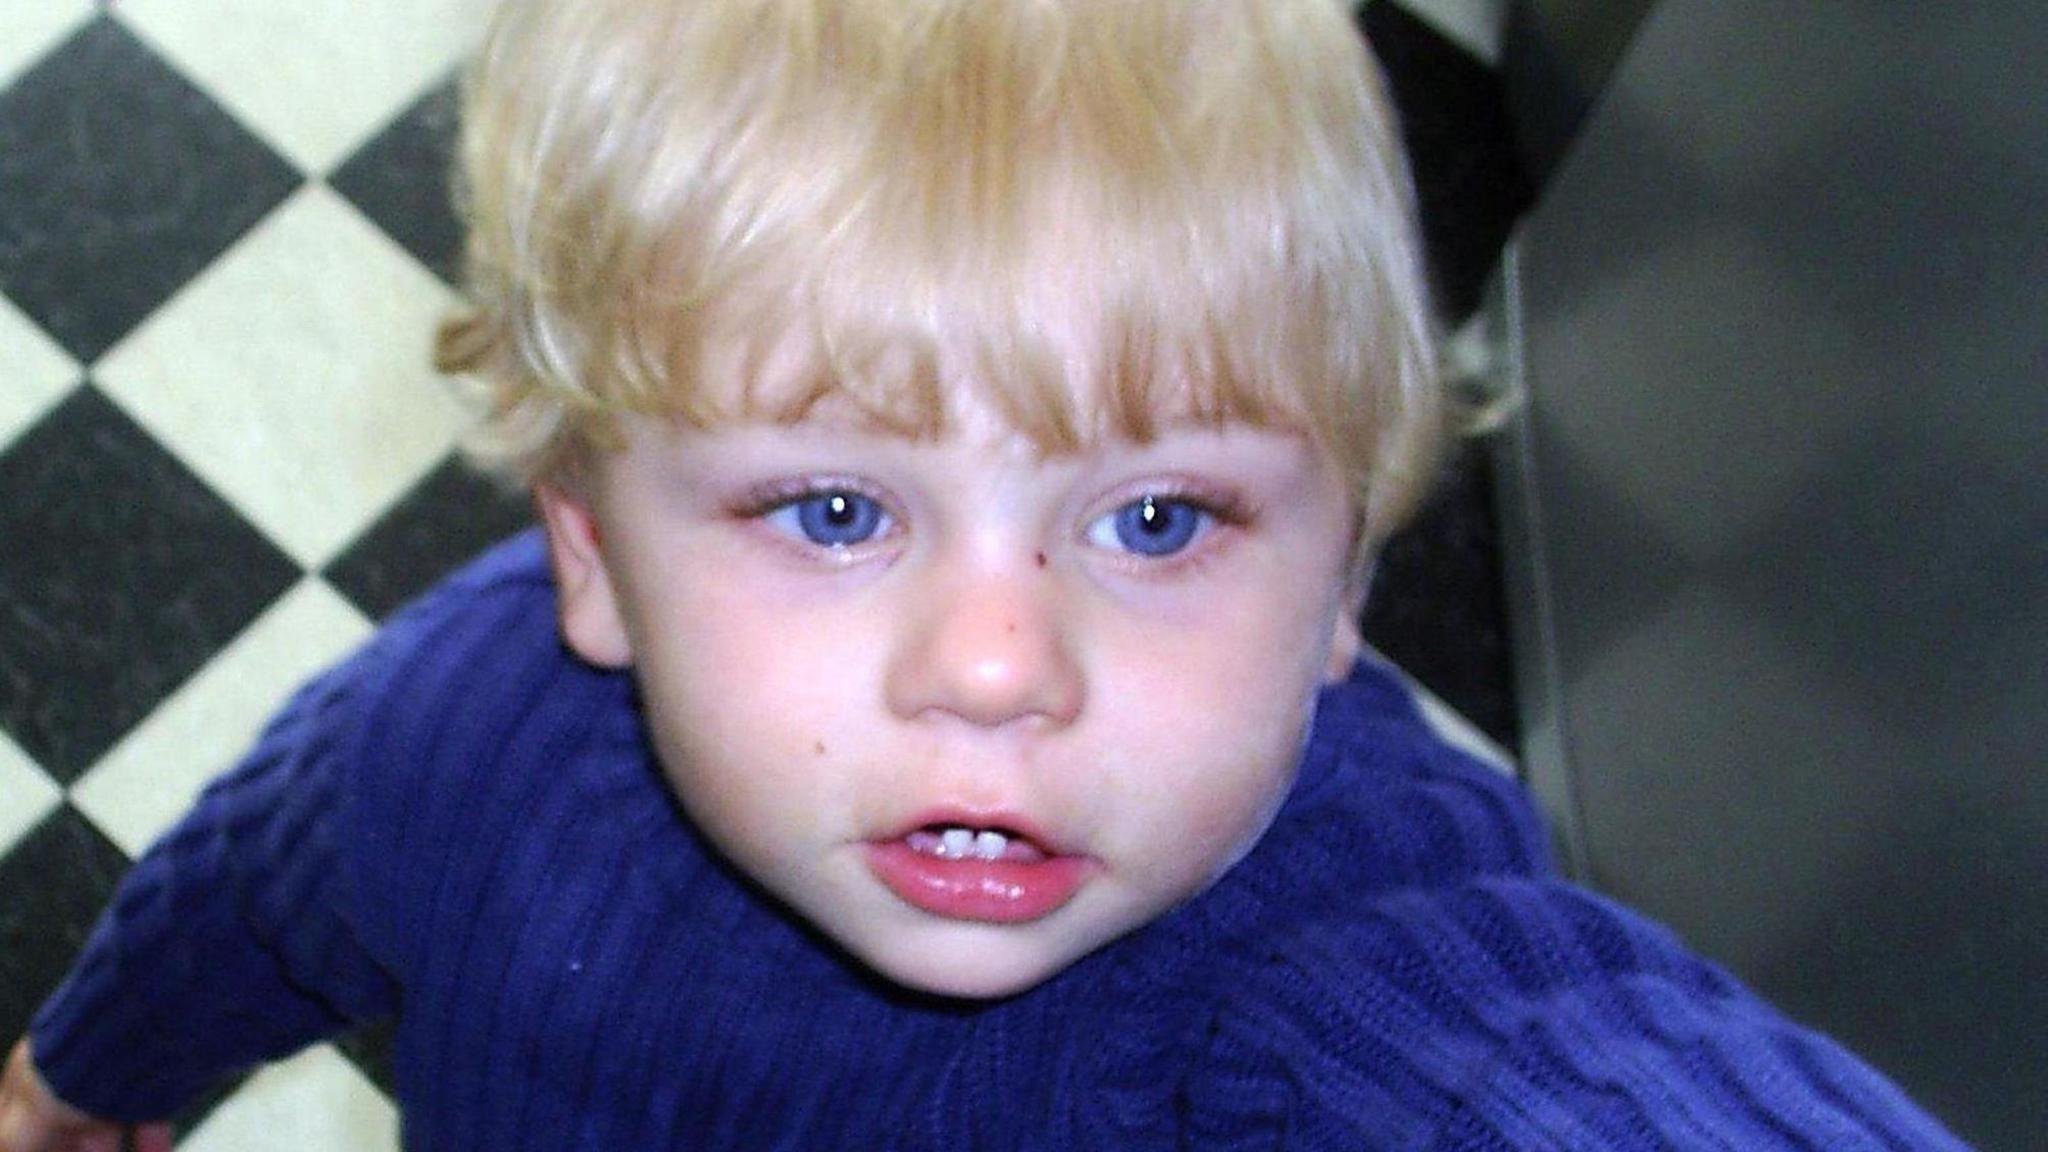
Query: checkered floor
[[223, 243]]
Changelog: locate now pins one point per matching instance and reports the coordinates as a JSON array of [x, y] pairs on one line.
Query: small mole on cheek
[[1041, 559], [818, 748]]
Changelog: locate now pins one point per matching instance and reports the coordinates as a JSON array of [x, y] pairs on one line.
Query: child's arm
[[236, 938], [32, 1119], [273, 915]]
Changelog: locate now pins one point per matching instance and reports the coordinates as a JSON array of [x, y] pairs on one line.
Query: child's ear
[[588, 604]]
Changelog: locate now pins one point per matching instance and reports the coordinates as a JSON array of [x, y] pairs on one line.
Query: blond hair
[[1105, 214]]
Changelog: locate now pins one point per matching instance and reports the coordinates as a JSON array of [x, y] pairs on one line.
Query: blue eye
[[1151, 526], [834, 519]]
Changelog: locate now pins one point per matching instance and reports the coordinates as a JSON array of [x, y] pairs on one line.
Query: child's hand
[[32, 1119]]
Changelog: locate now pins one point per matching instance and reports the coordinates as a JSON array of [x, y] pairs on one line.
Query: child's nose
[[989, 649]]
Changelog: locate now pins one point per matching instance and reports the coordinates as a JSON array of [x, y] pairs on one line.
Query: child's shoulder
[[497, 604], [1401, 961], [1401, 854], [447, 649], [476, 655], [438, 711], [1525, 1012], [1385, 803], [458, 721]]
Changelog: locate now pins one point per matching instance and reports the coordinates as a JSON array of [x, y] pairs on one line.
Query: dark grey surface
[[1785, 327]]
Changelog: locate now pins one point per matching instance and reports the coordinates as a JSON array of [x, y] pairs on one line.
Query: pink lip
[[1007, 891]]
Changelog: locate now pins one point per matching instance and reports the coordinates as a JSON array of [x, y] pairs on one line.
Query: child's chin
[[970, 974]]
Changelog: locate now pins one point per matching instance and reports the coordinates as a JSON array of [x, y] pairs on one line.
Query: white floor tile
[[26, 794], [153, 775], [314, 77], [29, 28], [314, 1102], [34, 371], [293, 375], [1473, 24]]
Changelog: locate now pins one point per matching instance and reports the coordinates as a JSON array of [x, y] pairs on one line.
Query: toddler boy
[[961, 429]]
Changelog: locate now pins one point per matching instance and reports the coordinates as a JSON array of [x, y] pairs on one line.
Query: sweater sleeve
[[267, 918], [234, 939]]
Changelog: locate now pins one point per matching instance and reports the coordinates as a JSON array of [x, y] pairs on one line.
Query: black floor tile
[[1469, 184], [400, 180], [122, 575], [119, 181], [447, 518], [1438, 608], [370, 1050], [196, 1113], [52, 887]]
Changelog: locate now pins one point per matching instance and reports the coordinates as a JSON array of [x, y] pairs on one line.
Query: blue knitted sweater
[[461, 826]]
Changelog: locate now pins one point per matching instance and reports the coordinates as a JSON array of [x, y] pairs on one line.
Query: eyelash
[[761, 503], [1223, 510]]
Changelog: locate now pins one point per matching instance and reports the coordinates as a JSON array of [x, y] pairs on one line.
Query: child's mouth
[[991, 873], [959, 842]]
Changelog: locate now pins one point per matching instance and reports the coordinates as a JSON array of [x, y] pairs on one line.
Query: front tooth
[[990, 845], [956, 843]]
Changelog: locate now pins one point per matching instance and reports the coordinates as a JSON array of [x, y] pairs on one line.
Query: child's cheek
[[740, 687]]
